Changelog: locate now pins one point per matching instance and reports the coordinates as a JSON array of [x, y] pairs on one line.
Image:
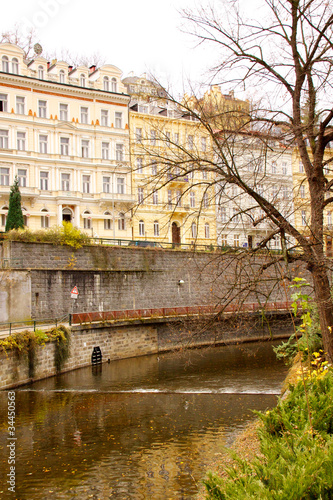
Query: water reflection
[[141, 428]]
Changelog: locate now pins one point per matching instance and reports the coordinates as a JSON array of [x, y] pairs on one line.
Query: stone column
[[59, 218], [77, 216]]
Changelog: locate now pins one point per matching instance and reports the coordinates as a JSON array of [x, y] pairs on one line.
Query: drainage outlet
[[96, 356]]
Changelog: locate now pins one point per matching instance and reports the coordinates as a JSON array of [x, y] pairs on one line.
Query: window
[[15, 66], [61, 76], [224, 240], [4, 176], [43, 144], [104, 118], [65, 182], [4, 216], [169, 197], [284, 168], [44, 181], [141, 228], [106, 84], [22, 177], [153, 167], [86, 183], [121, 222], [176, 138], [192, 199], [20, 105], [87, 220], [5, 64], [118, 120], [114, 85], [223, 214], [84, 148], [235, 215], [120, 185], [300, 167], [153, 137], [236, 240], [107, 221], [194, 230], [3, 102], [190, 142], [64, 146], [138, 134], [273, 167], [302, 191], [205, 201], [303, 218], [234, 190], [42, 109], [4, 139], [203, 144], [44, 219], [156, 228], [285, 192], [84, 114], [179, 198], [168, 137], [83, 80], [204, 174], [207, 231], [41, 72], [106, 184], [275, 190], [140, 195], [329, 218], [63, 109], [155, 198], [105, 150], [119, 152], [139, 165], [21, 141]]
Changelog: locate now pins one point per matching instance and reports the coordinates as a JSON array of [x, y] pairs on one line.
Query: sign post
[[74, 293]]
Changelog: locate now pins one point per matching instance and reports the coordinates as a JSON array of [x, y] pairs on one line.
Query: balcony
[[177, 180], [177, 208]]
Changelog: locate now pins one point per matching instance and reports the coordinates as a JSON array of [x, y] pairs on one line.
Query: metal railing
[[17, 326]]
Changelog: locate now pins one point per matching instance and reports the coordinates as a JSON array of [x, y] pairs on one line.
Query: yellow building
[[64, 133], [175, 202], [302, 199]]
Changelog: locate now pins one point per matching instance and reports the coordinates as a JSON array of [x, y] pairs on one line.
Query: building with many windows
[[175, 202], [64, 133]]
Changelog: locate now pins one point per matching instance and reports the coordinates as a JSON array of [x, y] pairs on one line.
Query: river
[[142, 428]]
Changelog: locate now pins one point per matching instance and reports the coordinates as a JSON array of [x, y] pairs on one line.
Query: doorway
[[67, 215], [175, 233]]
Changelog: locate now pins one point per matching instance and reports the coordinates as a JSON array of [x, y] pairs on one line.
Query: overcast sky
[[140, 36]]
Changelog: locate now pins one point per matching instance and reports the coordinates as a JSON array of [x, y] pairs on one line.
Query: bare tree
[[288, 53], [25, 40]]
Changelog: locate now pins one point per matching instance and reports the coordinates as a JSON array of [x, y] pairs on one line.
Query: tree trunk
[[325, 308]]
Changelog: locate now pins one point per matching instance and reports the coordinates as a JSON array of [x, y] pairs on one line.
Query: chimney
[[70, 68], [48, 65], [92, 68]]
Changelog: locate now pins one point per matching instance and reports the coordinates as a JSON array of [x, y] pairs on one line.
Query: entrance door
[[175, 233], [67, 215]]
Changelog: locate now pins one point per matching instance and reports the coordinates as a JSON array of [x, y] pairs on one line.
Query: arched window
[[207, 231], [83, 80], [41, 72], [114, 85], [4, 216], [194, 230], [156, 228], [192, 199], [141, 228], [106, 83], [107, 221], [15, 66], [44, 219], [5, 64], [61, 76], [87, 219], [121, 222]]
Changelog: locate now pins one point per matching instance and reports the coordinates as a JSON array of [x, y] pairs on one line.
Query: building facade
[[64, 133], [175, 202]]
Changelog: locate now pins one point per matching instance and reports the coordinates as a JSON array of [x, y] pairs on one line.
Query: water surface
[[142, 428]]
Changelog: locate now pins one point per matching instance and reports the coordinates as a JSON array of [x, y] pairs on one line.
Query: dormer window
[[5, 64], [83, 80], [62, 76], [114, 85], [106, 84], [40, 72], [15, 66]]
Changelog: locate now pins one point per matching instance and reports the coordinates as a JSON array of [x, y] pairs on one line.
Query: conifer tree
[[15, 215]]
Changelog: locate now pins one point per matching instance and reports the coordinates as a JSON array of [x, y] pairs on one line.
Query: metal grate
[[96, 356]]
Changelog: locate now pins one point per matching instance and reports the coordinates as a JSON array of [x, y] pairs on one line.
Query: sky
[[139, 36]]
